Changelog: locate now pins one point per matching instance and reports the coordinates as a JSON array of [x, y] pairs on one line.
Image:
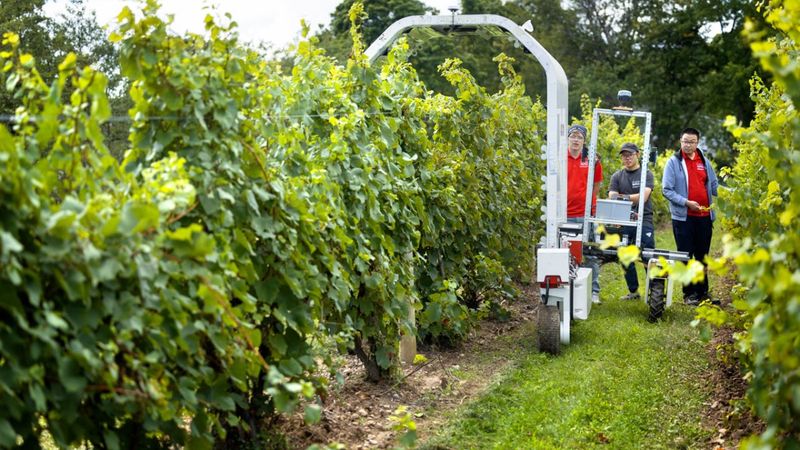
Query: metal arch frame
[[645, 161], [557, 100]]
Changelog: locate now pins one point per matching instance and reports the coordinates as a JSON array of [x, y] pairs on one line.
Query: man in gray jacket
[[625, 185], [689, 183]]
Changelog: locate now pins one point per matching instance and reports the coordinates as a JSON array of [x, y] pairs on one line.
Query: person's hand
[[694, 206]]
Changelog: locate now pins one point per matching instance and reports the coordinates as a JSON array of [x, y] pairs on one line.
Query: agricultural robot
[[565, 287]]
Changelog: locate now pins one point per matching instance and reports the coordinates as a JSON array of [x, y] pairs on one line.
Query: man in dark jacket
[[689, 183]]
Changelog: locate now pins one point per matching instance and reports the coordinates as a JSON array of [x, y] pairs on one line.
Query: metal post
[[643, 180], [587, 212]]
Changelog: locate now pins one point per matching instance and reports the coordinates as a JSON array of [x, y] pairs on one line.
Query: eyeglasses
[[627, 155], [688, 142]]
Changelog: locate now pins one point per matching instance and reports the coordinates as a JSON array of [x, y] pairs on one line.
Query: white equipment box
[[552, 262], [582, 294]]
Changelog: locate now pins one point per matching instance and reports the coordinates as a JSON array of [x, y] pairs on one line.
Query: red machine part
[[576, 250], [553, 281]]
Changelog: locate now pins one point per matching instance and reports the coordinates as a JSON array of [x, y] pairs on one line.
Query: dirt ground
[[727, 411], [357, 414]]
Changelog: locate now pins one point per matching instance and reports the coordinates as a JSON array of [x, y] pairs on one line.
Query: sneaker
[[630, 296], [596, 298]]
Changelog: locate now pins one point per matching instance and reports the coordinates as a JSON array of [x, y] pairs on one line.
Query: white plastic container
[[619, 210]]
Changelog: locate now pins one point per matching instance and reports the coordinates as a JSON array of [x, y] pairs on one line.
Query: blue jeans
[[648, 241], [590, 261]]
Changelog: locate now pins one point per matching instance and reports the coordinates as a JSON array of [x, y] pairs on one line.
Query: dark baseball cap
[[629, 147]]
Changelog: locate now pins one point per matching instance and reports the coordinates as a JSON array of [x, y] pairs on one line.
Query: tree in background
[[26, 18], [431, 50], [78, 31], [685, 61], [49, 40], [380, 14], [335, 39]]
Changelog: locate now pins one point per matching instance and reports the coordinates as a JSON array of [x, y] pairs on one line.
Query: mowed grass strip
[[621, 383]]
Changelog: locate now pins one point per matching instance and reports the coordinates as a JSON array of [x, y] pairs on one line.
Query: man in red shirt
[[689, 183], [577, 176]]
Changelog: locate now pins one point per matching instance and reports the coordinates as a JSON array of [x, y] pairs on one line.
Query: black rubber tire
[[548, 329], [656, 299]]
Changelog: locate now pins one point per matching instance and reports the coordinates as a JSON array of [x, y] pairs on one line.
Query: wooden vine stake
[[408, 342]]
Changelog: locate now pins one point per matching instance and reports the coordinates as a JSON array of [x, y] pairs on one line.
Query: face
[[575, 141], [688, 143], [629, 159]]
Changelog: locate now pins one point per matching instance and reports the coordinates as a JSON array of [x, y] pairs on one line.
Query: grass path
[[621, 383]]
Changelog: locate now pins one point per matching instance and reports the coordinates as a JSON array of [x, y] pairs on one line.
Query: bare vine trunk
[[374, 371]]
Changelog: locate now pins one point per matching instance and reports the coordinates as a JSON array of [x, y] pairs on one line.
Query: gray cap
[[579, 128], [629, 147]]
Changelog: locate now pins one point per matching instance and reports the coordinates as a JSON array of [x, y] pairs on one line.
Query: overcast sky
[[275, 21]]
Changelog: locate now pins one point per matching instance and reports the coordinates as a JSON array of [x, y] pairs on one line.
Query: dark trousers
[[694, 236], [648, 241]]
